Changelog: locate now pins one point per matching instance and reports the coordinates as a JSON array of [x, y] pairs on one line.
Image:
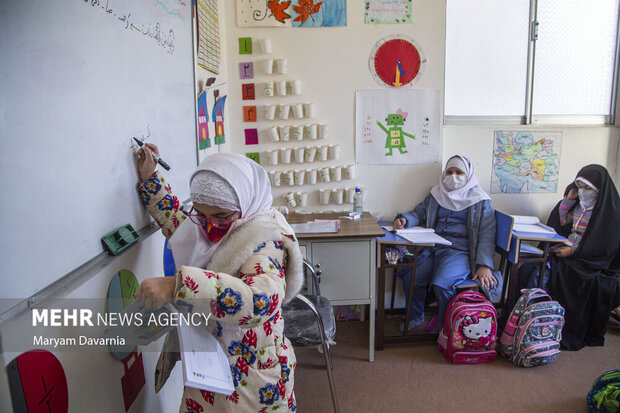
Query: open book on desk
[[424, 238], [530, 225], [412, 230], [205, 365]]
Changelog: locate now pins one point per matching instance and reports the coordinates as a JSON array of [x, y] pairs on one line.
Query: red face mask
[[214, 228]]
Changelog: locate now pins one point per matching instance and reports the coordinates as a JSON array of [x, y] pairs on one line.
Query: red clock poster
[[396, 61]]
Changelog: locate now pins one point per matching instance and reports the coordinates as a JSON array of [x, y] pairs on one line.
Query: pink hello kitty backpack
[[469, 329]]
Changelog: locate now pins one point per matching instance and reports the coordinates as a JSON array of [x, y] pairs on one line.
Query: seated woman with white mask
[[461, 212]]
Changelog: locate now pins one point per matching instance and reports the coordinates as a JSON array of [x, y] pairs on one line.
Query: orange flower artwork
[[305, 9]]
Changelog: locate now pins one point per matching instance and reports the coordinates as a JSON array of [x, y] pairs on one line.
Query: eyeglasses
[[205, 221]]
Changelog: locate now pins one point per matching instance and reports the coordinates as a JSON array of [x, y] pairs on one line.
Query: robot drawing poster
[[397, 126]]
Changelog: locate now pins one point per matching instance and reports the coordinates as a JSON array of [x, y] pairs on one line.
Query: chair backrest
[[309, 269], [503, 234]]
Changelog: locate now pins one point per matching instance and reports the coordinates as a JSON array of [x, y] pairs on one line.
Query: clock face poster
[[397, 126]]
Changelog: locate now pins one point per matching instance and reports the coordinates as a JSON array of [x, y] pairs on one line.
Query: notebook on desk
[[424, 238], [412, 230], [530, 224]]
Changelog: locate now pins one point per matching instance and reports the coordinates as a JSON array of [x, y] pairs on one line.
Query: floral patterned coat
[[253, 271]]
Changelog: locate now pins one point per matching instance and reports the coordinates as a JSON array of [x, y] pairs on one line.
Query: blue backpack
[[534, 329]]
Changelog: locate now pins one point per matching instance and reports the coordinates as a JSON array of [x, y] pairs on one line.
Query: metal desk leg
[[411, 282], [380, 329]]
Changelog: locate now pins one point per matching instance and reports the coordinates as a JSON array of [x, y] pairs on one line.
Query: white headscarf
[[463, 197], [250, 182]]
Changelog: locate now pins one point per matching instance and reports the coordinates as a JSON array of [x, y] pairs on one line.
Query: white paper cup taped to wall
[[268, 66], [285, 155], [334, 152], [290, 200], [300, 175], [310, 154], [275, 177], [283, 110], [337, 196], [323, 130], [337, 173], [268, 88], [270, 112], [265, 45], [324, 173], [323, 151], [282, 66], [310, 131], [311, 174], [310, 109], [350, 195], [294, 87], [297, 132], [280, 88], [273, 157], [349, 171], [303, 198], [288, 177], [299, 155], [324, 196], [298, 110], [285, 133], [273, 134]]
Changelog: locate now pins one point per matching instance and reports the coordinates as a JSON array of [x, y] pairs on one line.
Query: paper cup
[[323, 131], [268, 88], [285, 155], [275, 177], [270, 112], [280, 88], [349, 171], [272, 134], [265, 45], [334, 152], [299, 155], [311, 174], [303, 198], [285, 133], [324, 173], [298, 110], [322, 152], [273, 157], [310, 154], [282, 66], [324, 196], [350, 192], [300, 175], [290, 200], [294, 87], [297, 132], [288, 177], [336, 172], [268, 66], [337, 196], [310, 110], [310, 131], [283, 110]]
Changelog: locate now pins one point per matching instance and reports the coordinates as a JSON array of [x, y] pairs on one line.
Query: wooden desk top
[[366, 226]]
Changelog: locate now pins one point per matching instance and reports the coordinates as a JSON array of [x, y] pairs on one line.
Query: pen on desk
[[155, 157]]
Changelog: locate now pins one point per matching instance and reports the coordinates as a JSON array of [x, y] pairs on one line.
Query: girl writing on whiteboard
[[583, 275], [461, 212], [237, 259]]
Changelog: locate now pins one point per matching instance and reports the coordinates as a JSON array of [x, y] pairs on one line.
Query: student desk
[[388, 240], [346, 261]]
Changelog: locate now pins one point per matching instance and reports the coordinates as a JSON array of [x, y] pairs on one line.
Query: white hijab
[[463, 197], [250, 182]]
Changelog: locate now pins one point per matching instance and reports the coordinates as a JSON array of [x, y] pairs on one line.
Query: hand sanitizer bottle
[[357, 201]]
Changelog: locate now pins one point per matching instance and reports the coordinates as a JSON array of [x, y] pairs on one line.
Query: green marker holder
[[120, 239]]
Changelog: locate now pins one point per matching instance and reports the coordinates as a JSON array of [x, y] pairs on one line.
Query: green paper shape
[[253, 156], [245, 45]]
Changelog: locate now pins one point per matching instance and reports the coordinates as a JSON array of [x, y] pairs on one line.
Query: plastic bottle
[[357, 200]]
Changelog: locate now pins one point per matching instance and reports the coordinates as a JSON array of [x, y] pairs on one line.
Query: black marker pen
[[155, 157]]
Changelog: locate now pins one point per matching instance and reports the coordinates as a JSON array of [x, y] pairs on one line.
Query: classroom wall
[[333, 62]]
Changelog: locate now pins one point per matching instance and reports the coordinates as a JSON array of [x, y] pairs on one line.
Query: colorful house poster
[[218, 118], [397, 126], [525, 162], [387, 11], [203, 122]]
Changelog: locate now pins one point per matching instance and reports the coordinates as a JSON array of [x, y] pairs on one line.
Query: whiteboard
[[78, 79]]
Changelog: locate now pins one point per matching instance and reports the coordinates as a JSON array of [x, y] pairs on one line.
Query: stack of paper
[[530, 224], [317, 227], [412, 230], [424, 238]]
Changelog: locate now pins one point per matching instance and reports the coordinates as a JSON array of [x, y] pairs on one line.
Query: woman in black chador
[[585, 282]]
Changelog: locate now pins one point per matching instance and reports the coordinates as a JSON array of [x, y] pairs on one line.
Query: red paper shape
[[251, 136], [133, 381], [247, 91]]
